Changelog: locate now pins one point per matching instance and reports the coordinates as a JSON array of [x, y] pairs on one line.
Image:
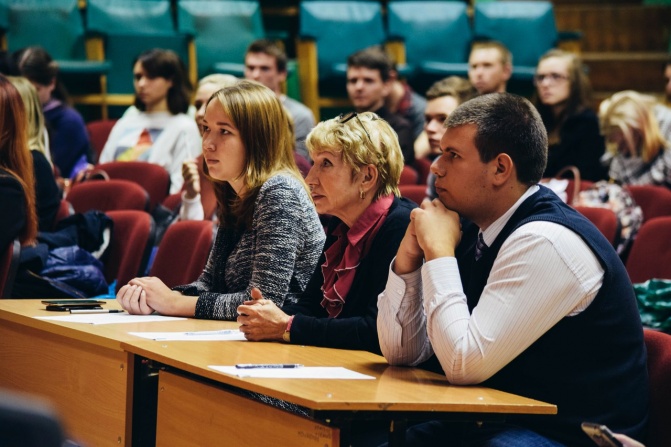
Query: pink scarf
[[345, 254]]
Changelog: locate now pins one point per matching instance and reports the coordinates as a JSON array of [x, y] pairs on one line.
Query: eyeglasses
[[553, 78], [344, 117]]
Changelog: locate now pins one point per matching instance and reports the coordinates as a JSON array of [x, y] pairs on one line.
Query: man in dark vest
[[506, 286]]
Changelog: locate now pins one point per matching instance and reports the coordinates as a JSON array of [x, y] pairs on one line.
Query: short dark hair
[[270, 48], [37, 65], [373, 58], [510, 124], [166, 64]]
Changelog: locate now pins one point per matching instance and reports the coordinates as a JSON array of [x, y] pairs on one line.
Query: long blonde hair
[[14, 154], [632, 113], [265, 129], [34, 115]]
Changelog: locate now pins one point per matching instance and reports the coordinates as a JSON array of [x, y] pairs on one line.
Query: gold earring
[[362, 194]]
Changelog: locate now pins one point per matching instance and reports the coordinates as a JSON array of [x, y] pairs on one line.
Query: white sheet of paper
[[305, 372], [109, 318], [223, 335]]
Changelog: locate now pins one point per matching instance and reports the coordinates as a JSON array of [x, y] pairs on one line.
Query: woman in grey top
[[269, 233]]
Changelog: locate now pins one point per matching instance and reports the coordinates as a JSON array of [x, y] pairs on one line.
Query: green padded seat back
[[130, 27], [55, 25], [340, 28], [222, 31], [433, 31]]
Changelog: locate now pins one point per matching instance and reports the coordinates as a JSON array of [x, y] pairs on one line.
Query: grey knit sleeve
[[281, 254]]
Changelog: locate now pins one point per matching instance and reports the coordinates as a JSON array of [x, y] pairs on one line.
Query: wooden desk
[[96, 376], [199, 406], [81, 368]]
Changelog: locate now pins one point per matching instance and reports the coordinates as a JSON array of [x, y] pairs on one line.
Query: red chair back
[[416, 193], [658, 345], [655, 201], [131, 243], [605, 220], [65, 209], [423, 167], [9, 263], [99, 131], [408, 176], [108, 196], [153, 178], [183, 252], [650, 255]]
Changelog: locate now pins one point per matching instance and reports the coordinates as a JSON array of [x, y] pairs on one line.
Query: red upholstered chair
[[207, 196], [408, 176], [9, 263], [65, 209], [153, 178], [655, 201], [131, 243], [108, 195], [172, 201], [416, 193], [423, 168], [183, 252], [605, 220], [99, 131], [650, 255], [658, 345]]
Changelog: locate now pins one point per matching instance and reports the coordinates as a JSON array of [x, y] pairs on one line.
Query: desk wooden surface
[[81, 368], [87, 372], [394, 388]]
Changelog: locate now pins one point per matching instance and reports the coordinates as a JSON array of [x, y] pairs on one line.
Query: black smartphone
[[601, 435], [65, 305]]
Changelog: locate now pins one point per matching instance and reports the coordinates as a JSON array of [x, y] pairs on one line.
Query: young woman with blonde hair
[[47, 194], [638, 153], [269, 235]]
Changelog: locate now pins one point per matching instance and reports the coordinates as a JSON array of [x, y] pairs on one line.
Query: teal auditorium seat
[[329, 31], [527, 28], [219, 32], [125, 29], [58, 27], [436, 36]]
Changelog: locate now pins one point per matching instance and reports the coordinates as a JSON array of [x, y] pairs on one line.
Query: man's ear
[[503, 167]]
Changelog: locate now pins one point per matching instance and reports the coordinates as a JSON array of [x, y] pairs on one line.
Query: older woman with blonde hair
[[638, 153], [354, 179], [47, 194], [269, 237]]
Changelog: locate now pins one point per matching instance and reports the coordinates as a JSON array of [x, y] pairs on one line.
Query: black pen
[[267, 365], [96, 311]]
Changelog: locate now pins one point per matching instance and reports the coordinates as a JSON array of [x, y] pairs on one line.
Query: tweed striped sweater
[[278, 254]]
